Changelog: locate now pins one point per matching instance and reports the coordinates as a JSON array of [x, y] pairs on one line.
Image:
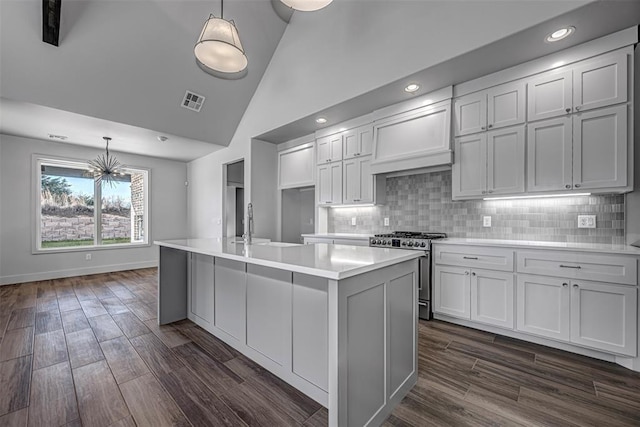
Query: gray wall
[[167, 214], [423, 203], [633, 199]]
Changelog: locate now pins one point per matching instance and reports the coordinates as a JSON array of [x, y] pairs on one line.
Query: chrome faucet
[[249, 233]]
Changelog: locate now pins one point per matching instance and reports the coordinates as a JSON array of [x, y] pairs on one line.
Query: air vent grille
[[192, 101]]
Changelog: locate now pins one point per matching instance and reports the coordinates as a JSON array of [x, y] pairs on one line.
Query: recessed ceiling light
[[162, 138], [321, 120], [560, 34], [412, 87]]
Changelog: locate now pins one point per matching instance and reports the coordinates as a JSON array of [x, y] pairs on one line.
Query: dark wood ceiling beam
[[51, 21]]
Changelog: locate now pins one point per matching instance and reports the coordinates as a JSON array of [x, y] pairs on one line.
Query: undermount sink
[[277, 244]]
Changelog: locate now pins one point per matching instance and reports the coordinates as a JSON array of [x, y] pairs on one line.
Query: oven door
[[424, 287]]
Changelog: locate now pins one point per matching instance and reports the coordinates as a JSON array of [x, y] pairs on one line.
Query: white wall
[[168, 214], [345, 50], [264, 177], [632, 214]]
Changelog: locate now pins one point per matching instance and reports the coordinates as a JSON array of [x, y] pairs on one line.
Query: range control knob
[[410, 244], [404, 243], [423, 244]]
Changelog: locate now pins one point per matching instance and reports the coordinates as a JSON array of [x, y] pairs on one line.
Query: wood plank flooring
[[87, 351]]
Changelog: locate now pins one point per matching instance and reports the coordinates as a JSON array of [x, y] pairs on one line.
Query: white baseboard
[[59, 274]]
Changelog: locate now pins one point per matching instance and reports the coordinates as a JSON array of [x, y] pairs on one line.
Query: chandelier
[[105, 168]]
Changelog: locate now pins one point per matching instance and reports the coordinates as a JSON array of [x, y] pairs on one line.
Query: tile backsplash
[[423, 203]]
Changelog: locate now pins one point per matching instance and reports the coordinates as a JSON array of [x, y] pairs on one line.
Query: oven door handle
[[424, 304]]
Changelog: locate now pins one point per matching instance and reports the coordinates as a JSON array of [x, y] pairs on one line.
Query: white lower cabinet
[[591, 314], [479, 295], [230, 297], [201, 287]]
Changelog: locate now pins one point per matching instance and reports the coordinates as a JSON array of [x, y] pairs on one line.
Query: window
[[75, 212]]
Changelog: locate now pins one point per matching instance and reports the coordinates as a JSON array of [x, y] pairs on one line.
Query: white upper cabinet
[[600, 148], [489, 164], [600, 82], [497, 107], [589, 84], [549, 162], [329, 149], [549, 95], [296, 166], [357, 181], [358, 142], [329, 184]]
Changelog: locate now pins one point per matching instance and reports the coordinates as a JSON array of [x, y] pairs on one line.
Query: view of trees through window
[[69, 212]]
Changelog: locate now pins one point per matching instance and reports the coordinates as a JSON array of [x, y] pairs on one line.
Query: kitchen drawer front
[[474, 257], [579, 265]]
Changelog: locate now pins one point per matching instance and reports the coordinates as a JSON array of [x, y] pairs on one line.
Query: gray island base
[[337, 322]]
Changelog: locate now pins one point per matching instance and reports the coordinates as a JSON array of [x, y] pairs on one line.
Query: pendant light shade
[[219, 50], [306, 5]]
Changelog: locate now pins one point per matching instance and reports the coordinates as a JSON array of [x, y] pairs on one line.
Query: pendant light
[[105, 168], [306, 5], [218, 50]]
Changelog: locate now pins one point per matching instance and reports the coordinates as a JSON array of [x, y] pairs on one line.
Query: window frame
[[36, 208]]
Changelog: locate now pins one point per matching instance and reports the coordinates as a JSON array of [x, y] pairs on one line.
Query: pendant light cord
[[222, 9]]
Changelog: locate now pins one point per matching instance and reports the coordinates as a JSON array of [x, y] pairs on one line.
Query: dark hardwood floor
[[87, 351]]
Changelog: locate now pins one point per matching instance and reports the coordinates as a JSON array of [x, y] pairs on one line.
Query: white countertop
[[323, 260], [352, 236], [524, 244]]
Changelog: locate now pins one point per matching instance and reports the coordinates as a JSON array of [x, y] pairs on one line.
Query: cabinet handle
[[568, 110], [470, 257], [567, 186], [328, 202], [577, 185], [473, 274], [569, 266], [466, 273], [564, 285], [576, 286], [490, 126], [356, 200], [357, 154], [490, 191], [578, 107]]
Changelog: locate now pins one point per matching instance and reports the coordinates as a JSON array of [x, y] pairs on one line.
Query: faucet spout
[[248, 235]]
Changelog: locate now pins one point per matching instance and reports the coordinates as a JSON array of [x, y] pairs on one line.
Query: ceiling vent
[[192, 101]]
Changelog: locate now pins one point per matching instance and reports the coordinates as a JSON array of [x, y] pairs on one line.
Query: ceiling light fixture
[[560, 34], [321, 120], [105, 168], [218, 50], [162, 138], [306, 5], [413, 87]]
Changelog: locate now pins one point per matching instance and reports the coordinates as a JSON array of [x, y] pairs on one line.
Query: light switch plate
[[386, 222], [353, 220], [486, 221], [586, 221]]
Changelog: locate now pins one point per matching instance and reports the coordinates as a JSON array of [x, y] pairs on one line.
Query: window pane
[[66, 206], [116, 211]]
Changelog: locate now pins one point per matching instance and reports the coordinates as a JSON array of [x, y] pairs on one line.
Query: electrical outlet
[[386, 222], [353, 220], [87, 257], [586, 221], [486, 221]]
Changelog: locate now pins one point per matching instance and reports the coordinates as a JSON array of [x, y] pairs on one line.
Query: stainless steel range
[[414, 241]]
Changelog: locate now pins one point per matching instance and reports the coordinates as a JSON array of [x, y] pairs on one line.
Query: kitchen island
[[337, 322]]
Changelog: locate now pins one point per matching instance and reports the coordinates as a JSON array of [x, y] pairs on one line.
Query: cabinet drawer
[[474, 257], [578, 265]]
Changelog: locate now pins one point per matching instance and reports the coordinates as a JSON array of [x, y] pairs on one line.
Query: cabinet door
[[492, 298], [600, 82], [505, 161], [469, 172], [358, 142], [549, 95], [543, 305], [202, 286], [329, 184], [470, 113], [231, 291], [549, 157], [357, 185], [603, 316], [323, 150], [335, 147], [506, 105], [600, 148], [296, 166], [451, 291]]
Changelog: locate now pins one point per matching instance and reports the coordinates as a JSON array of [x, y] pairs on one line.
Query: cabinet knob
[[577, 185], [578, 107], [484, 192], [576, 286], [490, 191], [568, 110], [483, 127], [473, 274], [567, 186], [466, 273], [490, 126], [564, 285]]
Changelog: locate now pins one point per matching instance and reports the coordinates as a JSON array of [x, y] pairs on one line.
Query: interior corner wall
[[167, 214], [264, 176], [370, 44]]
